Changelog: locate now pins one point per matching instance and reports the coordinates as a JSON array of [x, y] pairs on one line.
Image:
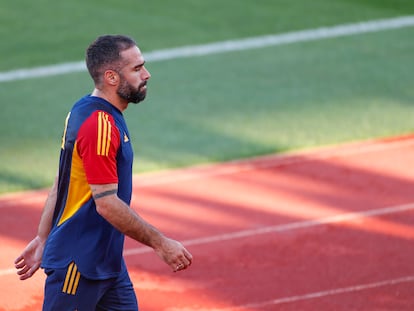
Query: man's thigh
[[120, 296], [68, 290]]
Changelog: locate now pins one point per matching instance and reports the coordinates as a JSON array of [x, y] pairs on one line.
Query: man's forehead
[[133, 55]]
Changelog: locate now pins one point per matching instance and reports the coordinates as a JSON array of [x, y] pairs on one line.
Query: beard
[[132, 95]]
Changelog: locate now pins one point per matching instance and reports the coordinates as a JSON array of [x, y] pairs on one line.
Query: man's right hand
[[29, 261]]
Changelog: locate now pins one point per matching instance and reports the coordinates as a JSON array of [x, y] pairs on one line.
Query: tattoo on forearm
[[105, 193]]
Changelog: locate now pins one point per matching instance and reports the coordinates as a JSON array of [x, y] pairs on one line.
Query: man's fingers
[[183, 262], [20, 265], [18, 259], [25, 276], [23, 270], [27, 272], [180, 267], [186, 262], [188, 256]]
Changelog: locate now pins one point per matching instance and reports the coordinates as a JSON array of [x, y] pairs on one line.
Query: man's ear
[[111, 77]]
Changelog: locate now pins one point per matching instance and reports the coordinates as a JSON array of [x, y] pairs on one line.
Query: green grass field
[[211, 108]]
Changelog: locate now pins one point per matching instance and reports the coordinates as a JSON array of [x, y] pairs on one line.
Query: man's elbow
[[104, 197], [103, 207]]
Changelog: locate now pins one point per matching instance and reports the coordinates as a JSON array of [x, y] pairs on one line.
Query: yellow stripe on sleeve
[[104, 134], [98, 148], [108, 144]]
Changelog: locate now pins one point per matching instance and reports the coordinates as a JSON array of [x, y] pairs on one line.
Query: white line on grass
[[321, 294], [227, 46]]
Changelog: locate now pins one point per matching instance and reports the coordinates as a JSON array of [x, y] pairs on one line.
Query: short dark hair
[[105, 53]]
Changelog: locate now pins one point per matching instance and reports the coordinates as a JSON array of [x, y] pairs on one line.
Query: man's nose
[[146, 74]]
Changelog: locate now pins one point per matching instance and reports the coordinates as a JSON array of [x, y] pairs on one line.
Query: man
[[86, 215]]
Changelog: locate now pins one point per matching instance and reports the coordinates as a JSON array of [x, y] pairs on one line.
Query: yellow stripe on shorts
[[71, 280]]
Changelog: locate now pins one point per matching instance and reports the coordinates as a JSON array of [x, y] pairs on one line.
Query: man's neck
[[113, 99]]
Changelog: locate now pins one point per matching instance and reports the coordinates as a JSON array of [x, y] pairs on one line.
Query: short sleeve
[[97, 144]]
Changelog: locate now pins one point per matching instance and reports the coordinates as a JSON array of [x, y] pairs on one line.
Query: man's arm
[[29, 260], [126, 220]]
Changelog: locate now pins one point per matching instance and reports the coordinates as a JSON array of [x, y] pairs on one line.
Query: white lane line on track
[[285, 227], [227, 46], [282, 160], [315, 295], [7, 272], [272, 229]]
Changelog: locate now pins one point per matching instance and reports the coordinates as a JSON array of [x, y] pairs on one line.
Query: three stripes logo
[[72, 280], [104, 134]]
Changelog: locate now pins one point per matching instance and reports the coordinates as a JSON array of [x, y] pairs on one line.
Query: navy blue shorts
[[68, 290]]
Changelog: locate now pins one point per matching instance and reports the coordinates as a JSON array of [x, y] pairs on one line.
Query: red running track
[[329, 229]]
